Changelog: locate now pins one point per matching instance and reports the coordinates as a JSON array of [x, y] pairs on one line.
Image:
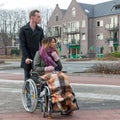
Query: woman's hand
[[49, 69], [55, 56]]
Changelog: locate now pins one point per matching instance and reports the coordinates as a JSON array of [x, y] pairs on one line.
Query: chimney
[[57, 5]]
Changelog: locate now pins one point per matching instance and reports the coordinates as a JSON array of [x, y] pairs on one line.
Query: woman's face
[[53, 43]]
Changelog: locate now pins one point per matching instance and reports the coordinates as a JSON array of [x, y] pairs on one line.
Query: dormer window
[[73, 12], [116, 7]]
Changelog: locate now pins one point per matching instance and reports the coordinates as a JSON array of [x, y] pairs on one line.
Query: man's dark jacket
[[29, 42]]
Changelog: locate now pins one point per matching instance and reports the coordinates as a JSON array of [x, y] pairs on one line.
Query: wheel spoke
[[29, 95]]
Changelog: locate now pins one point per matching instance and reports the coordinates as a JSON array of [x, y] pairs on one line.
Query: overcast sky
[[25, 4]]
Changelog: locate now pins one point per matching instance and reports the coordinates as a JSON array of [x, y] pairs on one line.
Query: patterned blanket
[[59, 86]]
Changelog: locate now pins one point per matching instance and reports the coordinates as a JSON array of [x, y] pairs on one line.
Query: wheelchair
[[36, 95]]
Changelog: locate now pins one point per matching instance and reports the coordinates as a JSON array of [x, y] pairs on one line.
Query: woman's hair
[[46, 42]]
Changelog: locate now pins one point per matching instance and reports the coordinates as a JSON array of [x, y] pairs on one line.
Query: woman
[[45, 62]]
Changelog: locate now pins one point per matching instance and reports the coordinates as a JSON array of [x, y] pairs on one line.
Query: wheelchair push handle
[[31, 60]]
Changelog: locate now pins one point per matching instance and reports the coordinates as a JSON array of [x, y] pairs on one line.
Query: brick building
[[6, 49], [85, 29]]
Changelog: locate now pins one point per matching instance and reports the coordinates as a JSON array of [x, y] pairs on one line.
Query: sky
[[26, 4]]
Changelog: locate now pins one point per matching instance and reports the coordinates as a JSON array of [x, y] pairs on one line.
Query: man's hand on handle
[[28, 61]]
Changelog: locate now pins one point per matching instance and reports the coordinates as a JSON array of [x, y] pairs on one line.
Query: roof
[[88, 8], [102, 9], [63, 11]]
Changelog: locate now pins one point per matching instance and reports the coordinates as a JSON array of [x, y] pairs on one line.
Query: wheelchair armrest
[[34, 73]]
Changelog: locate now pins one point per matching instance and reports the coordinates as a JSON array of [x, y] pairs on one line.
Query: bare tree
[[45, 14], [12, 20]]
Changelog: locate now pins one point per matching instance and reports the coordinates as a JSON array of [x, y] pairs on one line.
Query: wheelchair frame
[[39, 95]]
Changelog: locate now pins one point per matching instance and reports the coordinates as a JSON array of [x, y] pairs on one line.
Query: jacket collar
[[27, 26]]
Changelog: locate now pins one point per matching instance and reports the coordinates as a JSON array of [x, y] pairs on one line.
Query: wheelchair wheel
[[46, 108], [29, 95]]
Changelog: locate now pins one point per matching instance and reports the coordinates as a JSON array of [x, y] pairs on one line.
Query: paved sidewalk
[[78, 115], [88, 79]]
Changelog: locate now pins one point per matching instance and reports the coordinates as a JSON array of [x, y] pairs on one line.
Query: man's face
[[36, 18]]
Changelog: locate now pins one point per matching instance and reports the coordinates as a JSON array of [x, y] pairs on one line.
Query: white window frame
[[113, 21], [83, 36], [100, 36], [83, 23], [101, 23]]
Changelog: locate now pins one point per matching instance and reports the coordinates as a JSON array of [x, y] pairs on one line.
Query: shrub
[[15, 52], [114, 54], [109, 68]]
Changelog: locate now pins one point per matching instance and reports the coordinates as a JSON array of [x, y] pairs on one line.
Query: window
[[64, 27], [69, 39], [99, 23], [116, 7], [83, 36], [73, 12], [56, 28], [76, 25], [99, 36], [56, 18], [83, 23], [77, 37], [73, 39], [73, 26], [113, 22]]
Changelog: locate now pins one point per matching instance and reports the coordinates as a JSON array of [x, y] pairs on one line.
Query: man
[[30, 37]]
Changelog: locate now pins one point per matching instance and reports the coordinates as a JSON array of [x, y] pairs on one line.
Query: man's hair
[[32, 13]]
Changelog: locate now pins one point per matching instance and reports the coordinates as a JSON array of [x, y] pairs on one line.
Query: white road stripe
[[97, 96], [11, 73], [11, 81], [95, 85], [78, 94], [11, 90]]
